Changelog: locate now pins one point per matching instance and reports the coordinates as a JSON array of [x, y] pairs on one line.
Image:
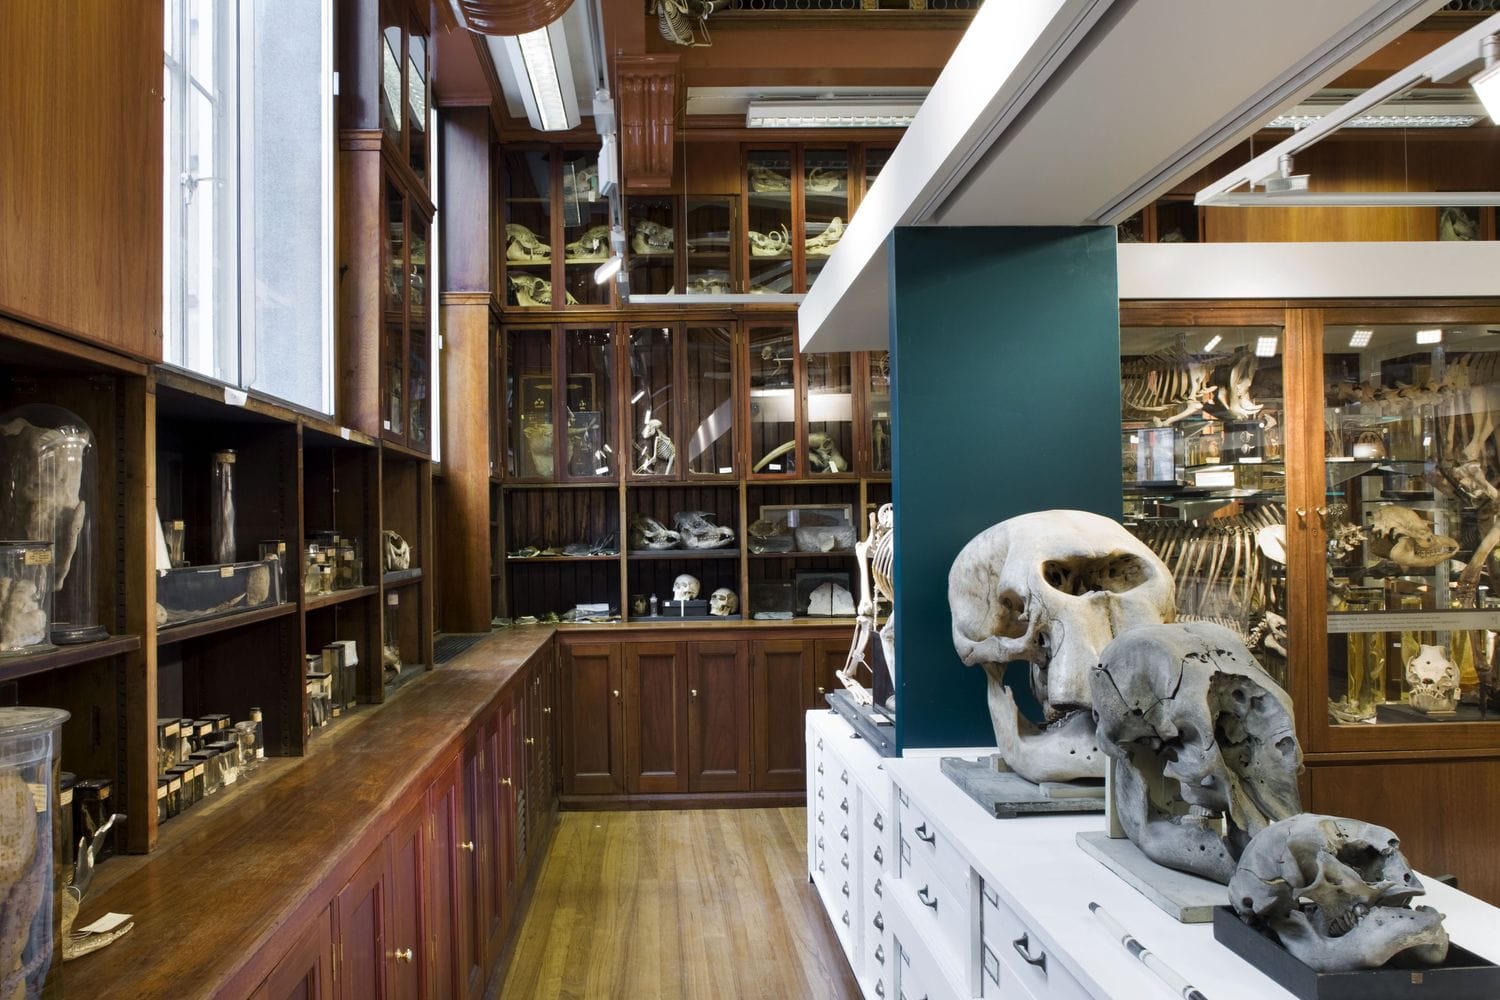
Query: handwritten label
[[37, 557], [225, 572]]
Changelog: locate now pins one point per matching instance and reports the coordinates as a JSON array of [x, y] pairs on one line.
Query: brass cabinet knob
[[693, 692], [467, 845], [530, 741], [547, 710], [403, 954], [617, 692], [505, 782]]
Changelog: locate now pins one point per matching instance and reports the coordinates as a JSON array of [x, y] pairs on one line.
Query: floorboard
[[677, 905]]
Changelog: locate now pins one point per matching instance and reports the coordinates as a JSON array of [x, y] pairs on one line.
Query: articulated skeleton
[[592, 246], [648, 237], [876, 555], [682, 22], [524, 246], [657, 452], [1175, 385]]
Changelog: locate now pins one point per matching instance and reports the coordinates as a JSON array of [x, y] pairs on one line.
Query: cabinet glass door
[[1205, 476], [829, 410], [769, 185], [392, 55], [773, 401], [416, 104], [875, 161], [528, 404], [585, 228], [419, 360], [588, 384], [528, 228], [653, 430], [709, 401], [825, 205], [878, 402], [652, 225], [709, 221], [1413, 480]]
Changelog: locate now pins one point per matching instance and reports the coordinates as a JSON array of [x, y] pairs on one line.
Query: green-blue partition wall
[[1005, 359]]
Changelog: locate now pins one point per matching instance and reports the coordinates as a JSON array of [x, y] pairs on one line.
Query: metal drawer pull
[[879, 855], [924, 836], [880, 989], [821, 868], [990, 895], [844, 777], [820, 817], [927, 898], [844, 805], [879, 822], [820, 742], [820, 768], [403, 955], [845, 861], [844, 833], [1022, 945], [846, 918], [820, 844], [879, 923], [880, 953], [845, 890], [467, 845], [879, 888], [820, 791]]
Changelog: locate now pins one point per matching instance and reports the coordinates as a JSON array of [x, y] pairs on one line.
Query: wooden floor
[[702, 903]]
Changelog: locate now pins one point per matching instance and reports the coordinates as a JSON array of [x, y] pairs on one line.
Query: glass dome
[[49, 489]]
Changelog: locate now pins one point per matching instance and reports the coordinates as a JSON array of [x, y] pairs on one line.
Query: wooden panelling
[[445, 885], [361, 239], [361, 921], [781, 672], [655, 720], [306, 971], [465, 564], [1443, 812], [592, 739], [718, 677], [81, 199]]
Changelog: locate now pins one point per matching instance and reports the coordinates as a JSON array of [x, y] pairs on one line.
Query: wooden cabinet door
[[781, 671], [305, 972], [718, 717], [593, 745], [473, 872], [444, 884], [361, 908], [406, 947], [829, 657], [510, 797], [495, 843], [655, 718]]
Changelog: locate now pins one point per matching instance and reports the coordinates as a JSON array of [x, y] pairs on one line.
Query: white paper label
[[344, 433], [235, 397], [104, 924], [1350, 622], [225, 572]]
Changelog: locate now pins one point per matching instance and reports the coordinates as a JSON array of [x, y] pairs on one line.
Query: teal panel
[[1005, 359]]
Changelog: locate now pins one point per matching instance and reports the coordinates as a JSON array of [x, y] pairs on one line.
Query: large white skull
[[1432, 680], [1336, 892], [685, 588], [723, 602], [1051, 588], [1207, 750]]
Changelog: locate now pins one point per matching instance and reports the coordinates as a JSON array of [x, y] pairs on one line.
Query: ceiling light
[[873, 112], [1212, 343], [1296, 121], [541, 63], [1486, 82], [1429, 336], [1265, 347], [1361, 338], [608, 269]]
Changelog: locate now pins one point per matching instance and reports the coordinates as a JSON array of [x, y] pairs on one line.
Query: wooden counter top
[[253, 864]]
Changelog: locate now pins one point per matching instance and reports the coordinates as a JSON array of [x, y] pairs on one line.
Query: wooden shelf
[[401, 578], [672, 554], [338, 597], [196, 630], [835, 554], [26, 664], [560, 559]]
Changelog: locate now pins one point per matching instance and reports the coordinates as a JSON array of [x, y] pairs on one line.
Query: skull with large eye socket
[[723, 602], [1207, 750], [1051, 588], [1336, 891], [685, 588]]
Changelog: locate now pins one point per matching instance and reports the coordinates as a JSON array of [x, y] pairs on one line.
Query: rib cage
[[1156, 383], [1219, 570]]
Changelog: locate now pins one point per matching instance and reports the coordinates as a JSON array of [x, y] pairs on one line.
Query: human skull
[[685, 588], [722, 602], [1207, 753], [1336, 892], [1051, 588], [397, 552], [1432, 680]]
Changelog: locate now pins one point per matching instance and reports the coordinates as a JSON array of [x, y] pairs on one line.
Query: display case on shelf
[[877, 369], [529, 417], [875, 158], [652, 420], [586, 237], [772, 367], [828, 408], [403, 561], [707, 447], [590, 450], [526, 201], [406, 411], [771, 229], [562, 551], [712, 252], [825, 205], [405, 105], [651, 233]]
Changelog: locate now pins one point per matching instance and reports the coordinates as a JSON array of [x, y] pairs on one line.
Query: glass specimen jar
[[49, 490], [245, 734], [25, 597], [260, 732], [29, 747], [221, 509]]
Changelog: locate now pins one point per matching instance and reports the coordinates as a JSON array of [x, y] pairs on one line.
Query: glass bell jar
[[30, 745], [49, 490]]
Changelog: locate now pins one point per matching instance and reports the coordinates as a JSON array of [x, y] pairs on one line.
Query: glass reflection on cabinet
[[654, 449], [1412, 462], [773, 401], [709, 401], [416, 103], [769, 183], [710, 226], [390, 80], [585, 228], [528, 228], [830, 412], [652, 227], [588, 381], [1204, 474], [878, 401], [528, 395], [395, 379], [825, 200]]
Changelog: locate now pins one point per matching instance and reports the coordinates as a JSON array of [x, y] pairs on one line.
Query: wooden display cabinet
[[405, 344], [405, 86], [556, 228], [651, 229], [405, 594], [585, 222]]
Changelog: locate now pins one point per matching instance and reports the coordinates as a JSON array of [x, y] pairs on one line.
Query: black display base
[[877, 730], [1463, 975], [78, 636], [1398, 712]]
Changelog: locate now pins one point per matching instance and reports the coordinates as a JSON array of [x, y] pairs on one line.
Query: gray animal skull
[[1207, 750], [1051, 588], [1336, 892]]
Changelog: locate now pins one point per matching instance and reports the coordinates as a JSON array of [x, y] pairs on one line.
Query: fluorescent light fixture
[[1429, 336], [1427, 107], [869, 112], [608, 269], [1486, 82], [1213, 343], [541, 64], [1361, 338], [1296, 122], [1265, 347]]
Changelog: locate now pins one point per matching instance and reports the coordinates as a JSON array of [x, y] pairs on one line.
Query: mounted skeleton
[[876, 555], [1174, 385], [684, 22]]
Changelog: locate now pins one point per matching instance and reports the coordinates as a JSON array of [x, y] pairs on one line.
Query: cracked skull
[[1051, 588], [1208, 754], [685, 588], [1336, 892]]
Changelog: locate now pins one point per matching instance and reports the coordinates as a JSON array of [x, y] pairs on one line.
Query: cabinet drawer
[[940, 914], [919, 838], [1010, 952], [916, 973]]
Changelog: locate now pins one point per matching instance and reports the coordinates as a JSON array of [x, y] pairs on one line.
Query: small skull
[[1052, 588], [723, 602], [685, 588], [1336, 892], [397, 551], [1432, 680]]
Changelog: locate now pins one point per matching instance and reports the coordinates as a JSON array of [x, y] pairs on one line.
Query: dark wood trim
[[684, 800]]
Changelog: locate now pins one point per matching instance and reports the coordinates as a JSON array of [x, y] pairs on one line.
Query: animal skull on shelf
[[1206, 750], [647, 238], [531, 290], [522, 245], [723, 602], [591, 247], [772, 244], [1051, 588], [397, 551], [764, 180], [698, 532], [822, 244], [824, 455], [1413, 544], [1432, 681], [824, 179], [1336, 891], [649, 533], [685, 588]]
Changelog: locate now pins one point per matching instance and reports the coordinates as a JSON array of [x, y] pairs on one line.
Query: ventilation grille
[[1473, 6], [446, 647]]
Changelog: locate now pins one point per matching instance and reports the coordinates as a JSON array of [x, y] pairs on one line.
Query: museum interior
[[1132, 354]]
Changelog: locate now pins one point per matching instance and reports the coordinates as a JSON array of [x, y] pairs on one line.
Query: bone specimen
[[824, 455], [592, 246], [823, 180], [524, 246], [1174, 385], [1203, 736], [770, 536], [649, 533], [539, 447], [714, 283], [648, 238], [1432, 681], [776, 243], [658, 453], [830, 599], [685, 587], [23, 620], [696, 531], [531, 290], [875, 555], [822, 244], [1458, 224], [1336, 893], [25, 873], [397, 551], [681, 22], [764, 180], [1413, 545], [723, 602], [1051, 588], [837, 536]]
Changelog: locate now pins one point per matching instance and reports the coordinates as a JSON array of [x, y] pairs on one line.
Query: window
[[248, 195]]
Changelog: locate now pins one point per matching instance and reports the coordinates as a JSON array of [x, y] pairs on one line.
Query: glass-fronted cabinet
[[404, 86], [878, 410], [825, 205], [772, 368], [1204, 472], [590, 450], [406, 322], [708, 401], [768, 186], [709, 223], [585, 229], [528, 403], [527, 199], [875, 161], [650, 407], [651, 225], [1412, 476], [828, 409]]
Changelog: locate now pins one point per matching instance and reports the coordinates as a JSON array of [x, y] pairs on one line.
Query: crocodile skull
[[1413, 544], [1432, 680], [1207, 753], [685, 588], [649, 237], [722, 602], [1335, 891], [521, 244], [1051, 588]]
